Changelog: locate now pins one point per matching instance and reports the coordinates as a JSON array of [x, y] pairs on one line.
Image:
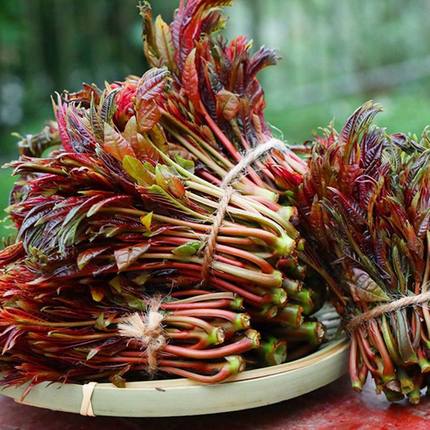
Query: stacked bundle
[[366, 203], [146, 240]]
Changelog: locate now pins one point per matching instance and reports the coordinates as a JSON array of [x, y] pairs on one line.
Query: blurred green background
[[336, 54]]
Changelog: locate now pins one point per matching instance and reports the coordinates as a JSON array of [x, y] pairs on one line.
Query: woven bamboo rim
[[179, 397]]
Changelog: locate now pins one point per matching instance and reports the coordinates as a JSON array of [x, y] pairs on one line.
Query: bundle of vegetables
[[365, 206], [109, 274], [215, 106], [77, 332]]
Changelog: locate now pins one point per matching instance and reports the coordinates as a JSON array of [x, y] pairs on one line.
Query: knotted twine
[[143, 327], [386, 308], [147, 327], [226, 185]]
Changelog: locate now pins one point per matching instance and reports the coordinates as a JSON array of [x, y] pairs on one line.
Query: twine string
[[209, 254], [386, 308], [226, 185], [147, 329]]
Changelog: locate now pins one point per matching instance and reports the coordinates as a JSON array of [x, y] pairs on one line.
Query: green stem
[[273, 351], [273, 279]]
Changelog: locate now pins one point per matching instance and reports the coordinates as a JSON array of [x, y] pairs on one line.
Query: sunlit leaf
[[228, 104], [97, 294], [115, 144], [163, 39], [190, 79], [136, 170], [188, 249], [146, 220], [185, 163]]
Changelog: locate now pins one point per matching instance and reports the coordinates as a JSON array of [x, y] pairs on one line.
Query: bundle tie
[[87, 394], [147, 329], [226, 185], [380, 310]]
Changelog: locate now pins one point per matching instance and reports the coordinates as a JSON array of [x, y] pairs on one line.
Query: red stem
[[215, 304], [380, 345], [238, 347], [227, 286], [223, 374], [216, 313]]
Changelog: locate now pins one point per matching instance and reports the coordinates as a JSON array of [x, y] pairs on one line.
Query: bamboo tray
[[178, 397]]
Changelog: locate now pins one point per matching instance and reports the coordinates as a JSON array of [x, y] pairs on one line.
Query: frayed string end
[[147, 329]]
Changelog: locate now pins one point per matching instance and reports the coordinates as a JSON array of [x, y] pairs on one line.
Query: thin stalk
[[189, 322], [273, 279], [242, 321], [425, 284], [229, 165], [251, 340], [240, 253], [227, 286], [240, 201], [232, 229], [249, 215], [353, 372], [206, 297], [224, 373], [201, 156], [214, 304], [388, 368]]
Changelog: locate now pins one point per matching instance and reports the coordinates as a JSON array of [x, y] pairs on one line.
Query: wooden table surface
[[331, 407]]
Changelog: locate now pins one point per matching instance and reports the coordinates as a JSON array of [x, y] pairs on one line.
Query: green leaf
[[161, 175], [142, 278], [402, 332], [146, 220], [186, 164], [149, 167], [136, 303], [136, 170], [159, 140], [115, 283], [188, 249], [173, 202]]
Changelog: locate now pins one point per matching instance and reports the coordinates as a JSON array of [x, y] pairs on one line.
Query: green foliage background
[[335, 56]]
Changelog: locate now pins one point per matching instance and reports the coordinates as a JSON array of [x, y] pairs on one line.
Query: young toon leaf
[[149, 93], [163, 39]]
